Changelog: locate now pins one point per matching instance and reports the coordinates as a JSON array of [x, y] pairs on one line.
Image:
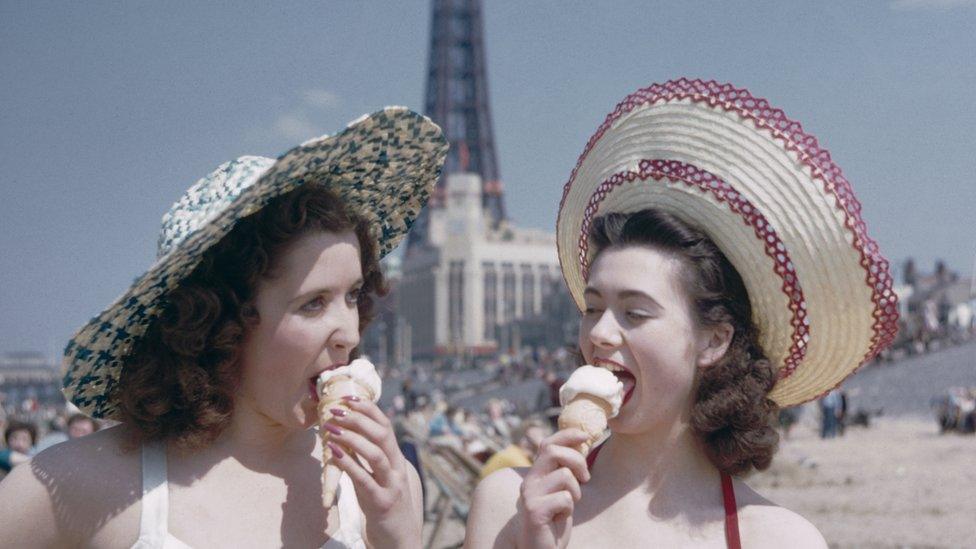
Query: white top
[[154, 524]]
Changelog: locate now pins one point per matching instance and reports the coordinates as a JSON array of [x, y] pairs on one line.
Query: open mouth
[[629, 381], [623, 375], [313, 382]]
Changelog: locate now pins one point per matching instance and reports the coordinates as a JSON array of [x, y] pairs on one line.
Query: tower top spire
[[457, 99]]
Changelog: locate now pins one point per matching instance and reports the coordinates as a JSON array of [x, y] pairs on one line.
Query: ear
[[714, 342]]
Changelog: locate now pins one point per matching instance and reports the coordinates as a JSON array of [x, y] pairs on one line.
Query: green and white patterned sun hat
[[384, 166]]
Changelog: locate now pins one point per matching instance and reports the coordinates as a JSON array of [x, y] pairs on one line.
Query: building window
[[455, 302], [528, 291], [491, 300], [545, 285], [508, 293]]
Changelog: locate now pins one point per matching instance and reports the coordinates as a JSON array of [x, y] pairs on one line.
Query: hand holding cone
[[357, 379]]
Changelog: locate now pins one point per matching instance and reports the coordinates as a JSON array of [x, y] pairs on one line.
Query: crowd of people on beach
[[29, 428]]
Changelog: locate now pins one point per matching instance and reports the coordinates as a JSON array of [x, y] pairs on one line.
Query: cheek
[[583, 339]]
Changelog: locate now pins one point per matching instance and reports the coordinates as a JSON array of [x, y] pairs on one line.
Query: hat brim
[[383, 165], [771, 199]]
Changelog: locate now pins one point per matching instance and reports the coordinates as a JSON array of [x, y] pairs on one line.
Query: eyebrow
[[326, 291], [625, 294]]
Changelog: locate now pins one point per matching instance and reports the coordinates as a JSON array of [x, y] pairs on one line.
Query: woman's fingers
[[561, 479], [367, 419], [361, 446], [543, 509], [559, 450], [362, 478]]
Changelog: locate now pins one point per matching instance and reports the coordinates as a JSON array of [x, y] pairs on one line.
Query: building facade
[[460, 292]]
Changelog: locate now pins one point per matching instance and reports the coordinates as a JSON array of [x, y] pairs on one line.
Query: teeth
[[612, 367]]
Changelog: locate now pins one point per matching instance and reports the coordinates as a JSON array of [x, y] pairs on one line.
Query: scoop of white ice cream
[[594, 381], [360, 370]]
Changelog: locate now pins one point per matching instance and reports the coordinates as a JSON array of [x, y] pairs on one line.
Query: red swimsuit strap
[[728, 499], [731, 513]]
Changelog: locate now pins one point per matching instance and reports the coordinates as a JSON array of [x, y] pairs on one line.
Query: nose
[[345, 332], [606, 332]]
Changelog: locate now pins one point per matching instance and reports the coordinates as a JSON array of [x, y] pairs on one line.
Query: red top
[[728, 499]]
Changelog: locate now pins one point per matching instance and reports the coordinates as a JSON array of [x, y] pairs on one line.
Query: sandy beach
[[897, 484]]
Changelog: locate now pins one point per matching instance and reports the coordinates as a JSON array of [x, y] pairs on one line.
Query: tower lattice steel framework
[[457, 99]]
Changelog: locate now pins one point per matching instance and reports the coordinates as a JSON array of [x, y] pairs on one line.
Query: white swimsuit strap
[[154, 523], [350, 532]]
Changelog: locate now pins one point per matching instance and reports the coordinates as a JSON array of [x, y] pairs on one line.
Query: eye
[[590, 311], [315, 305], [638, 314], [353, 297]]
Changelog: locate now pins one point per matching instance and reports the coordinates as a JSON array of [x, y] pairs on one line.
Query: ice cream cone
[[590, 397], [589, 414], [331, 396]]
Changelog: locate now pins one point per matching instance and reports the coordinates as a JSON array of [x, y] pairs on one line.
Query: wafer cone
[[589, 414], [331, 397]]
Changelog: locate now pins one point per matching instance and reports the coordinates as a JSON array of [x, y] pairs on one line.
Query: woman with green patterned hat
[[264, 279]]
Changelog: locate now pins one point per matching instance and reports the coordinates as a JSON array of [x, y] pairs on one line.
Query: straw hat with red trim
[[769, 195]]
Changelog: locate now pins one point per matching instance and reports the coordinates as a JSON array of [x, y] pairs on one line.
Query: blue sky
[[108, 111]]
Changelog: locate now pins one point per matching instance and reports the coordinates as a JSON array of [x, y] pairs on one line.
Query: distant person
[[525, 444], [409, 395], [830, 406], [56, 434], [842, 412], [788, 418], [498, 426], [80, 425], [20, 437]]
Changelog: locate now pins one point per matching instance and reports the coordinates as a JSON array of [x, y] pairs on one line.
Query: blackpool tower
[[457, 100]]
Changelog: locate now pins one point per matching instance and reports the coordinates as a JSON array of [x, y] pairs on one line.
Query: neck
[[667, 465], [258, 442]]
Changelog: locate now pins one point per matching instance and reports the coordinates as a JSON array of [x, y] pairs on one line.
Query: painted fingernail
[[338, 412], [336, 451], [351, 398], [332, 429]]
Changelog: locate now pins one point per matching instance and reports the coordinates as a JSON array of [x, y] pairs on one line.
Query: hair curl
[[732, 412], [180, 380]]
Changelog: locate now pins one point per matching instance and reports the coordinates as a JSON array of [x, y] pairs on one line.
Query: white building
[[458, 293]]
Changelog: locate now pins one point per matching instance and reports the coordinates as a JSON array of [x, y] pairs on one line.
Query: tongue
[[627, 379]]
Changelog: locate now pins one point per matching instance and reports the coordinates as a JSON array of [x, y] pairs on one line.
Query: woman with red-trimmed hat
[[723, 270]]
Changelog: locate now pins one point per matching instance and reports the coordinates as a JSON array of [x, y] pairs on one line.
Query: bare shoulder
[[492, 520], [763, 523], [67, 493]]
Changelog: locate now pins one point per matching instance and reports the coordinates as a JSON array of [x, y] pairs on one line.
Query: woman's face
[[308, 323], [637, 319]]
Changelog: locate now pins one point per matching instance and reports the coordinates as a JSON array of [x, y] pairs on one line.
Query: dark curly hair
[[179, 381], [731, 413]]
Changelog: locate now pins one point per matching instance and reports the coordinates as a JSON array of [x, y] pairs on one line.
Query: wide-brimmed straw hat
[[383, 166], [772, 199]]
